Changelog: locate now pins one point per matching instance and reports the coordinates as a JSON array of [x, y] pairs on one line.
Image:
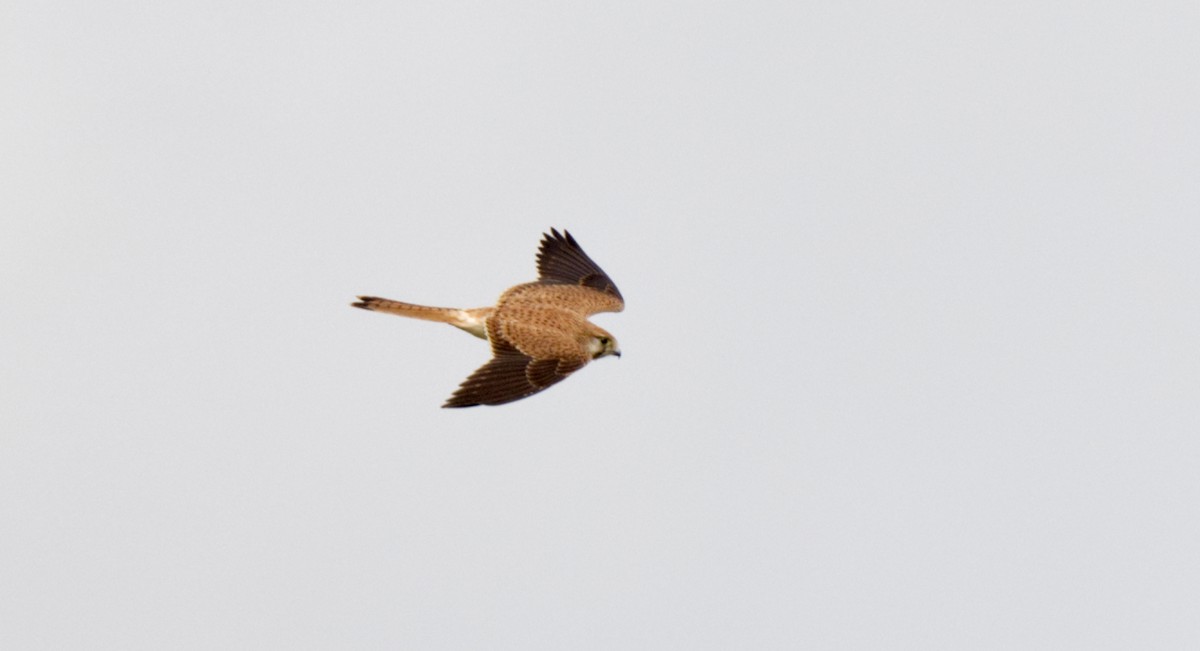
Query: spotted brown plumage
[[539, 331]]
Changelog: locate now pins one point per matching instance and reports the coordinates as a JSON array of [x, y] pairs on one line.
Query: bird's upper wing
[[511, 375], [561, 260]]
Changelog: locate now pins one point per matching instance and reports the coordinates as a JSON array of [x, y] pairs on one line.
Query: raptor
[[539, 331]]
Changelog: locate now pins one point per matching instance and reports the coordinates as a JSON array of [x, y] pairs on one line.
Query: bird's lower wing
[[511, 375]]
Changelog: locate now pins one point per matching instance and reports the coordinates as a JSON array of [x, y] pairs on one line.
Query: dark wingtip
[[554, 239], [364, 302], [457, 400], [564, 236]]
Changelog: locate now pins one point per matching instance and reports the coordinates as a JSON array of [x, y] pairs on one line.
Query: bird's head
[[601, 344]]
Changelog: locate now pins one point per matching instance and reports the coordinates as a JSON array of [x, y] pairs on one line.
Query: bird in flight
[[539, 331]]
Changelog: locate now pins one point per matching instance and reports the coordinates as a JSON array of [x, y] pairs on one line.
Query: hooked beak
[[617, 353]]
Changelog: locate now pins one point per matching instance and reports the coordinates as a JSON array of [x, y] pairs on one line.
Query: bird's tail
[[472, 320]]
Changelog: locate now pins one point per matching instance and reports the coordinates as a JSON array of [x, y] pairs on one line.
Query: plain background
[[910, 361]]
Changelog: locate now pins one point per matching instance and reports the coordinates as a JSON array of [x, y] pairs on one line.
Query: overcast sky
[[910, 345]]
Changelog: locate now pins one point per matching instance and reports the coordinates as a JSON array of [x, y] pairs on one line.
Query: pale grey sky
[[910, 351]]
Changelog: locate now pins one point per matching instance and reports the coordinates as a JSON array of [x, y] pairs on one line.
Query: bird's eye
[[603, 341]]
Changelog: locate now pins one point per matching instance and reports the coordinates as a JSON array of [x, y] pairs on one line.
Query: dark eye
[[603, 341]]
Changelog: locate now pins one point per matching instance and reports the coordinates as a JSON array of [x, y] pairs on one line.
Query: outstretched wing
[[511, 375], [561, 260]]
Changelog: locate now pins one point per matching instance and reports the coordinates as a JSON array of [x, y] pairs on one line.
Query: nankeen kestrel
[[539, 331]]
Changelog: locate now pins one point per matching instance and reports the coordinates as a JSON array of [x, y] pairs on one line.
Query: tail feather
[[426, 312], [472, 320]]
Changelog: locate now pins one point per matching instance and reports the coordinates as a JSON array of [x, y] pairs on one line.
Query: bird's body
[[539, 331]]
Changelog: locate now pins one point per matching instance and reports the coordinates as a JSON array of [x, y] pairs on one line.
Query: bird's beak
[[617, 353]]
